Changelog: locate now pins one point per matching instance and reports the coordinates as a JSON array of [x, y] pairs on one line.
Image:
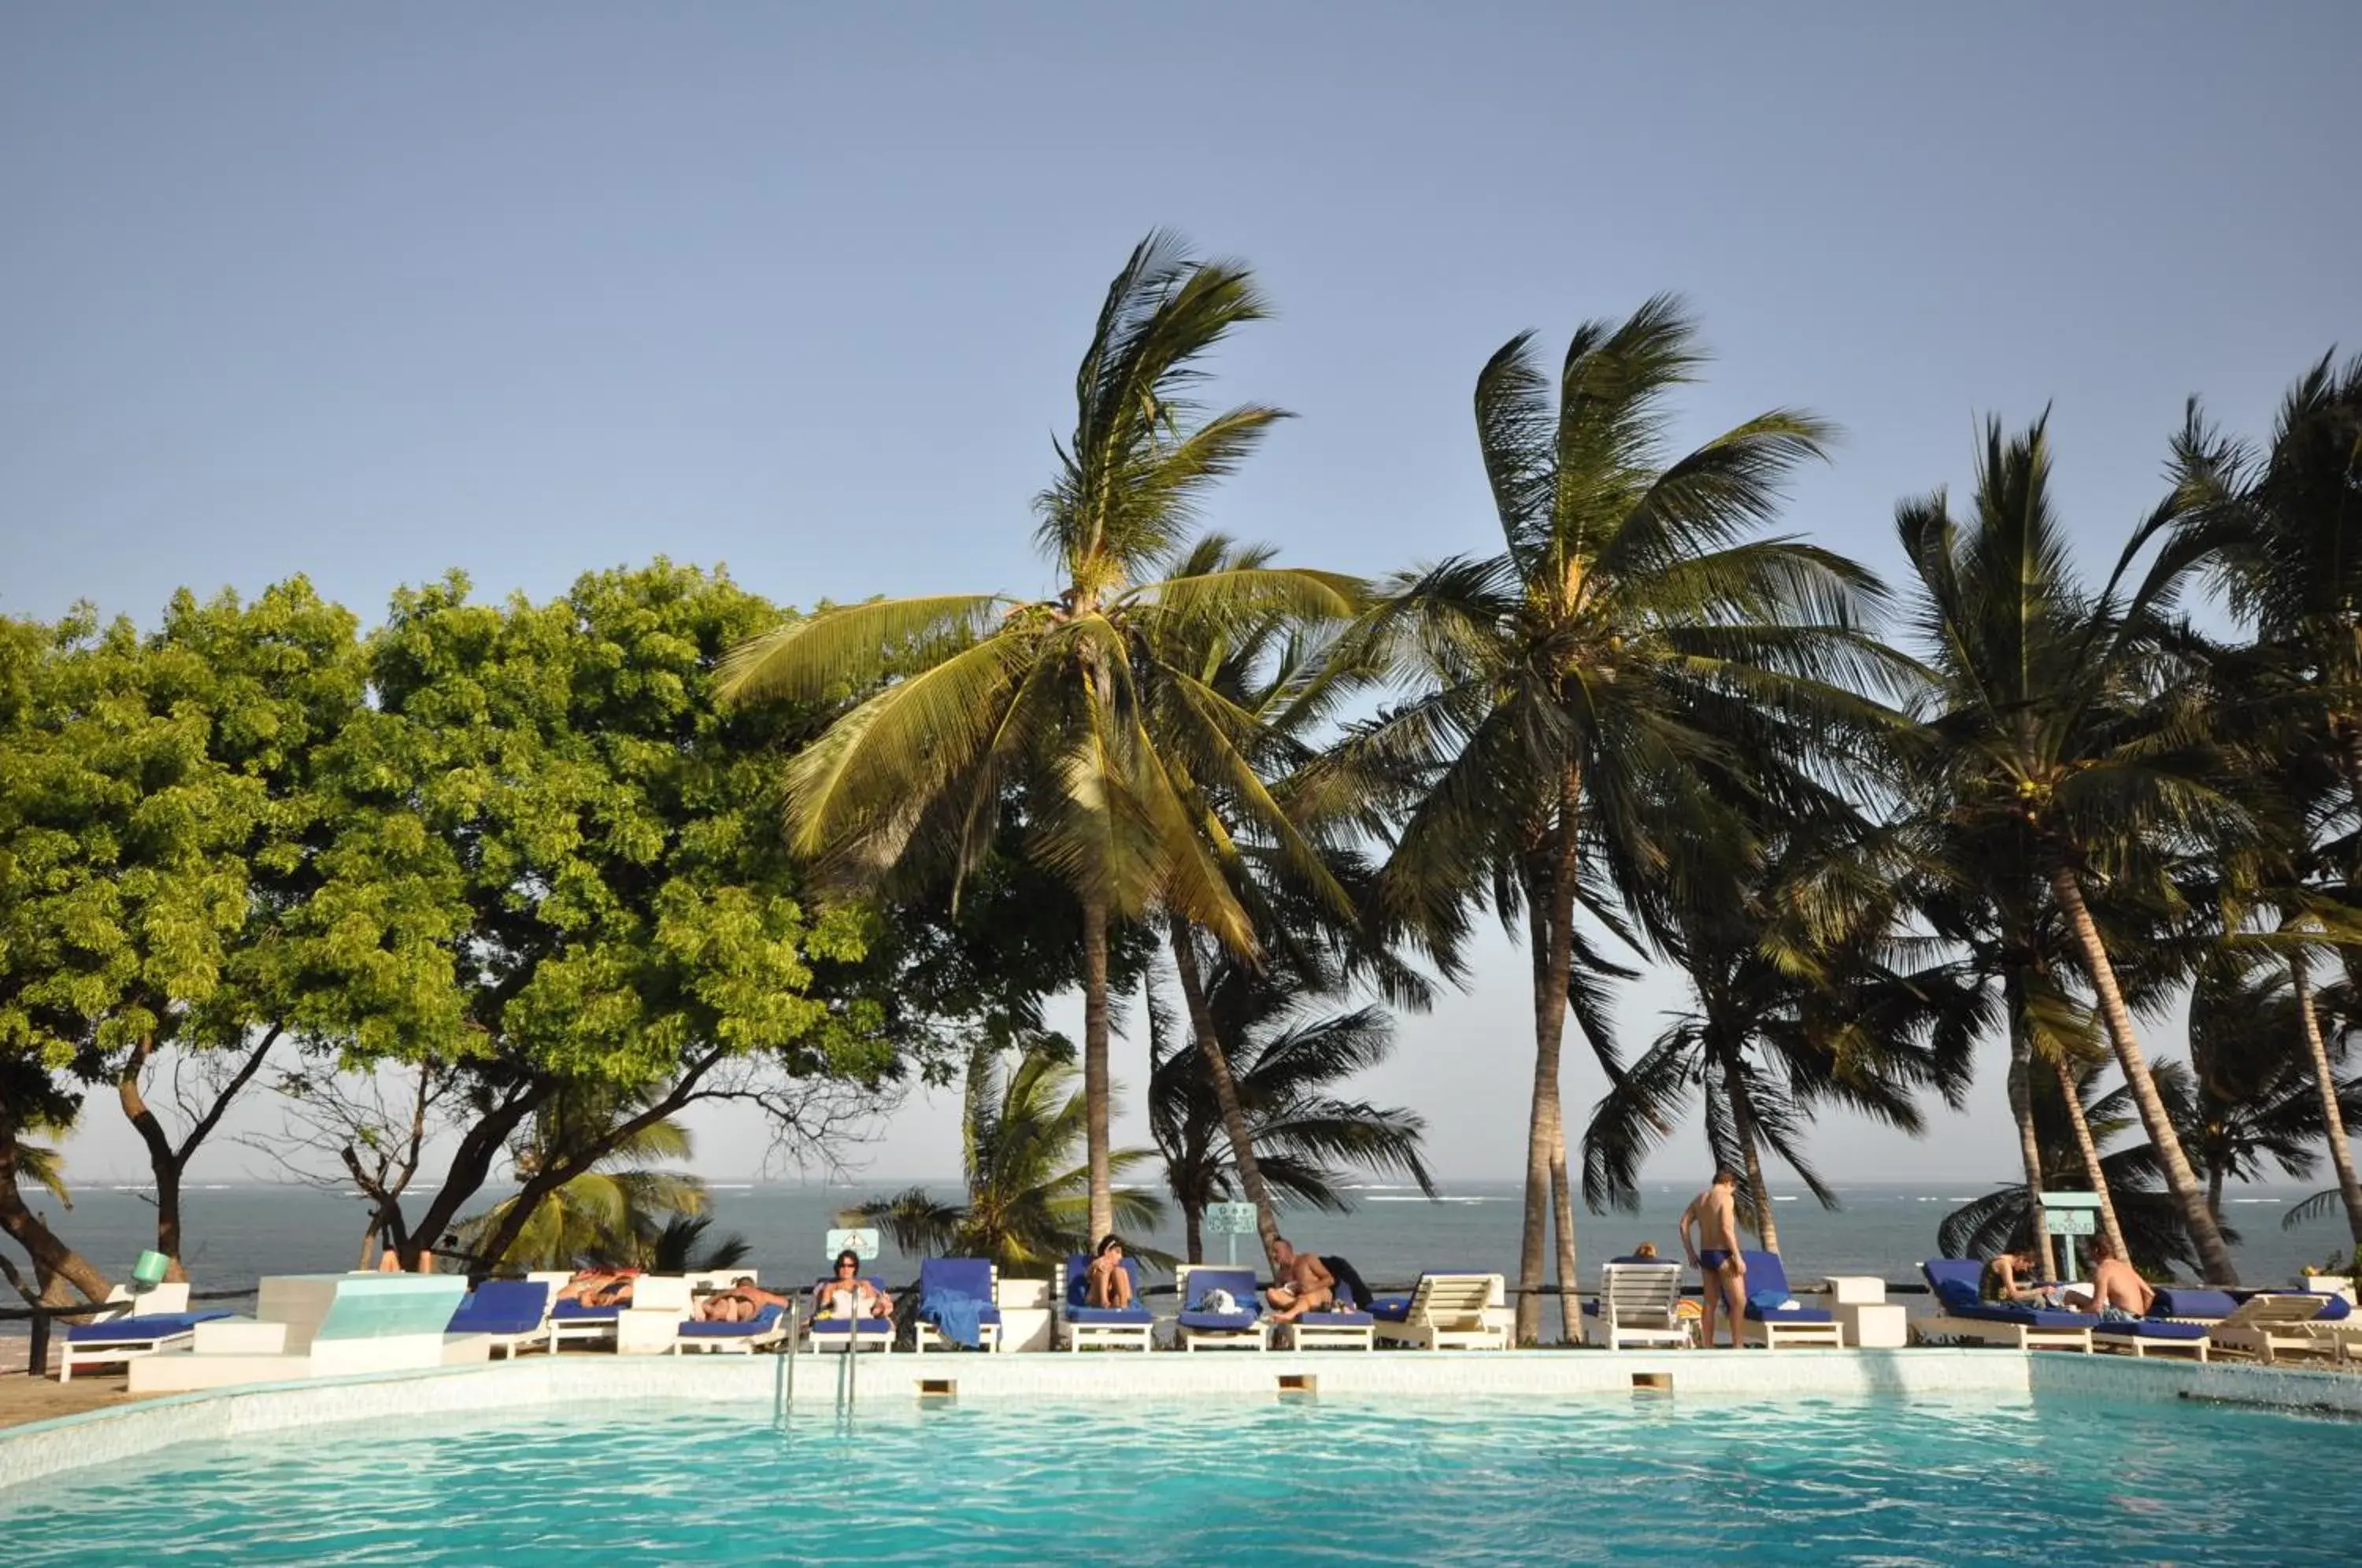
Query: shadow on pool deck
[[24, 1399]]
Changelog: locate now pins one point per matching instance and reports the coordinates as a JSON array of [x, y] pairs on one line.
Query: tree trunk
[[2021, 1110], [1550, 918], [1226, 1089], [471, 1163], [1570, 1304], [2214, 1190], [1095, 1066], [52, 1259], [1742, 1122], [2093, 1171], [2333, 1115], [1193, 1232], [2213, 1255], [164, 1162]]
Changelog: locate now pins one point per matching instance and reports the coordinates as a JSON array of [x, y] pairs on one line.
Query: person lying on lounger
[[1304, 1284], [848, 1295], [742, 1303], [1105, 1282], [599, 1287], [2117, 1292]]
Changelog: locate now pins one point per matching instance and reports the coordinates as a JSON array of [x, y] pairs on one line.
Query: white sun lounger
[[1637, 1304], [2264, 1326], [1196, 1328], [1102, 1328], [1446, 1312]]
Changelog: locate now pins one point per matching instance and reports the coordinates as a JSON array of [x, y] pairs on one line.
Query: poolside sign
[[862, 1245], [2069, 1215], [1231, 1220]]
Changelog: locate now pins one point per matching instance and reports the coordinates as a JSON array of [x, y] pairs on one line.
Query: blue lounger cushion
[[1788, 1314], [846, 1325], [501, 1307], [582, 1312], [2151, 1329], [139, 1331], [2027, 1316], [2185, 1301], [1338, 1320], [1220, 1322], [762, 1322], [1391, 1308], [1767, 1282], [2333, 1310], [1106, 1315]]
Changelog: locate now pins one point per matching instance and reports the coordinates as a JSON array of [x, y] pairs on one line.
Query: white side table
[[1855, 1289], [1872, 1325], [646, 1332]]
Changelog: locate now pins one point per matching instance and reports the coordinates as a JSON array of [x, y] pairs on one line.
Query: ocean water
[[1331, 1481], [238, 1233]]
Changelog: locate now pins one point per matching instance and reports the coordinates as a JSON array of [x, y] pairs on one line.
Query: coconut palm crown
[[988, 701]]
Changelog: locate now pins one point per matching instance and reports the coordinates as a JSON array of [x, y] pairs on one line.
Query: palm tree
[[2065, 733], [1285, 1054], [2281, 529], [1028, 1205], [1637, 650], [992, 699], [2253, 1103], [1791, 1009], [2156, 1242], [619, 1210]]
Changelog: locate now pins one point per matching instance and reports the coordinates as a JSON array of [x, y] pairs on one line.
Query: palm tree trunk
[[2214, 1190], [2072, 1092], [1095, 1063], [1551, 920], [1742, 1122], [2205, 1235], [2332, 1116], [1193, 1232], [53, 1260], [1570, 1305], [1226, 1089], [2021, 1110]]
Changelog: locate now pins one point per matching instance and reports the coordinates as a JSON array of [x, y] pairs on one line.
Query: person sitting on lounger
[[1105, 1282], [848, 1295], [1304, 1284], [742, 1303], [1715, 1252], [2008, 1280], [2118, 1292]]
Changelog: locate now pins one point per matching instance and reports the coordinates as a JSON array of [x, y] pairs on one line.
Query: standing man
[[1714, 1251]]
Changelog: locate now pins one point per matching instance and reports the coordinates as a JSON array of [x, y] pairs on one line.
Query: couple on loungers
[[2118, 1292]]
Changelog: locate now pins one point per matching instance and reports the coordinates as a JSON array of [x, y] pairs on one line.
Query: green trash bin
[[150, 1271]]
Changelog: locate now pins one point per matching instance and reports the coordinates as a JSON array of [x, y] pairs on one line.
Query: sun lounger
[[1104, 1328], [576, 1322], [1639, 1304], [510, 1313], [767, 1327], [2265, 1325], [2193, 1304], [1956, 1282], [1199, 1328], [836, 1332], [976, 1278], [2143, 1337], [121, 1339], [1771, 1325], [1445, 1312]]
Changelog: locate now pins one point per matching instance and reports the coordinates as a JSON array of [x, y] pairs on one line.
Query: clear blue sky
[[369, 292]]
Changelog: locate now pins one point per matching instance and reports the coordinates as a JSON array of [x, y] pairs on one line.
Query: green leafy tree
[[1027, 1204], [1639, 654], [991, 702], [2067, 732], [601, 834]]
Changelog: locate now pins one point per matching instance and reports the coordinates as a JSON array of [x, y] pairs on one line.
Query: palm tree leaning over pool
[[1637, 652], [2283, 529], [985, 695], [2069, 728]]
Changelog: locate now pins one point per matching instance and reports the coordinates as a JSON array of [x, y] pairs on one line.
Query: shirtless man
[[741, 1302], [1304, 1284], [2116, 1287], [1713, 1252]]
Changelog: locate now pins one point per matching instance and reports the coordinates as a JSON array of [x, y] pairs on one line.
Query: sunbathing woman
[[599, 1287], [867, 1300], [1105, 1282]]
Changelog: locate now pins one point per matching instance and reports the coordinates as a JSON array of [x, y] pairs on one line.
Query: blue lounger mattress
[[2151, 1329], [139, 1331], [761, 1322], [846, 1325], [1220, 1322], [1119, 1316]]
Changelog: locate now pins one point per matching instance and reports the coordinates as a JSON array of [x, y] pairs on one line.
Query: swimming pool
[[1205, 1481]]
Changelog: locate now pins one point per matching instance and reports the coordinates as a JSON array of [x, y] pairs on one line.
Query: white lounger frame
[[1255, 1337], [2265, 1325], [157, 1300], [2018, 1335], [1639, 1304], [1447, 1312]]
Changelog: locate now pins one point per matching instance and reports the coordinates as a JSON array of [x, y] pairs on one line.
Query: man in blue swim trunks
[[1713, 1252]]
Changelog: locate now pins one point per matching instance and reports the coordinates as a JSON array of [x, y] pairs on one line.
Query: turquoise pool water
[[1215, 1481]]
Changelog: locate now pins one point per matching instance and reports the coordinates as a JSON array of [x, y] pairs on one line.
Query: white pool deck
[[753, 1384]]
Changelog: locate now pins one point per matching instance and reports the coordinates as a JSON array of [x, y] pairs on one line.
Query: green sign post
[[1231, 1220], [2067, 1215]]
